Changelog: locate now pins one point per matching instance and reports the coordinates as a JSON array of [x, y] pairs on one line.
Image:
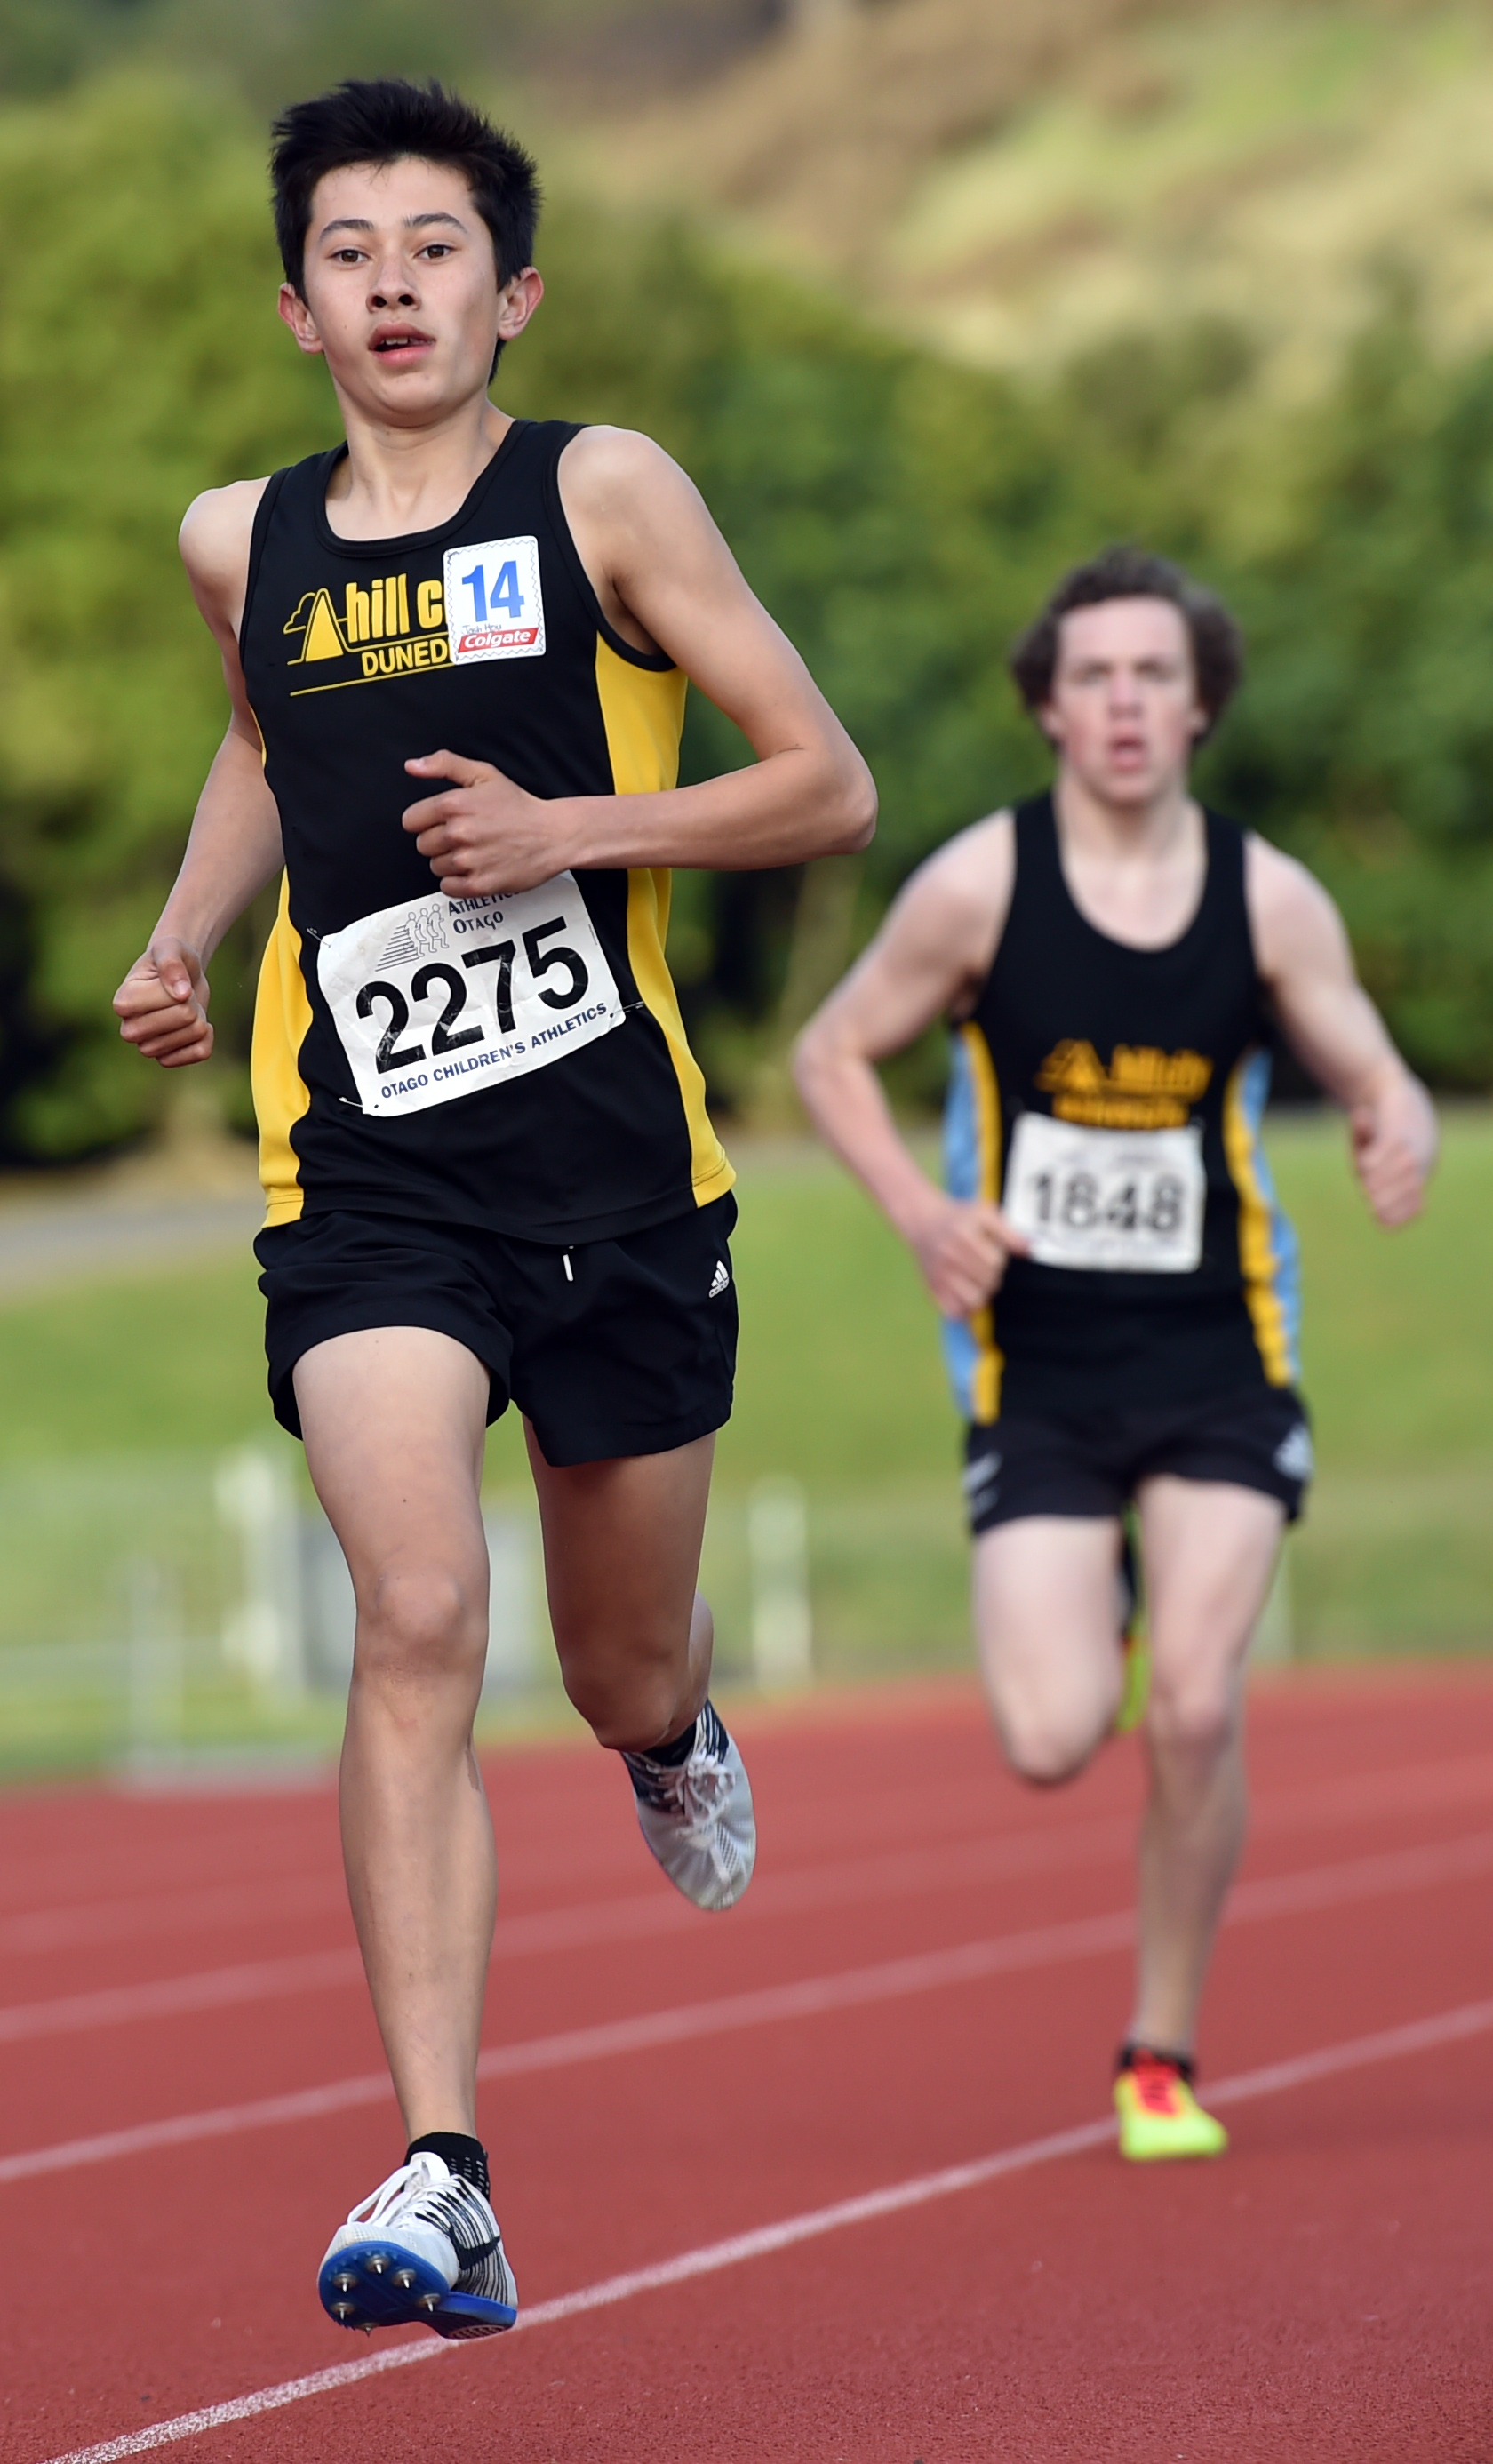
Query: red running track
[[895, 2052]]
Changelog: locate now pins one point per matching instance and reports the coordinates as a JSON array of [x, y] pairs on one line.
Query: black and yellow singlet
[[515, 1062], [1109, 1098]]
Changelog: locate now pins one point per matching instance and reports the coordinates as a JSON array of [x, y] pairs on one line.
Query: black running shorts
[[623, 1346], [1091, 1463]]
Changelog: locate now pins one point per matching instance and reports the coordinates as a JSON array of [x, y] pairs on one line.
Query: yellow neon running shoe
[[1134, 1640], [1160, 2115], [1136, 1685]]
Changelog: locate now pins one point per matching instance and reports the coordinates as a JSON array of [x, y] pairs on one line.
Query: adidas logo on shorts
[[1293, 1456], [719, 1280]]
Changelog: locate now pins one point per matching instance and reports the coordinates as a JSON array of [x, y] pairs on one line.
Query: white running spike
[[430, 2249], [696, 1816]]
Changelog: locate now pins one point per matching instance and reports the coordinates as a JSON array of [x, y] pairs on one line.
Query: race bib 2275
[[437, 999]]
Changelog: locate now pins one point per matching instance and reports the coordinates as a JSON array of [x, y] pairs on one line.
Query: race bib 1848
[[437, 999], [1131, 1200]]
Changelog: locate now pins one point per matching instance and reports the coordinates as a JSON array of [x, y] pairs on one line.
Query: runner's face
[[1124, 712], [401, 293]]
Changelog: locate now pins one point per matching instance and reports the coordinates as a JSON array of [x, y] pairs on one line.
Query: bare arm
[[931, 954], [233, 849], [1302, 955], [654, 554]]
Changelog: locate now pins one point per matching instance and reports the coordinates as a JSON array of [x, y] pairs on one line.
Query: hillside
[[1017, 186]]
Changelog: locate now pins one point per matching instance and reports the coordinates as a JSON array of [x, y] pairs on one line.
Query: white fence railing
[[159, 1603], [148, 1605]]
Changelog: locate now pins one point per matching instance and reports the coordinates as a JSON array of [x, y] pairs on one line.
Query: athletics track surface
[[929, 1971]]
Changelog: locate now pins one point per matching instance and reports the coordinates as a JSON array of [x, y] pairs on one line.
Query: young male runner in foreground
[[1118, 1285], [456, 652]]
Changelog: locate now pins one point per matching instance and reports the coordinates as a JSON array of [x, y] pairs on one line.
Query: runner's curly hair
[[1125, 572], [384, 119]]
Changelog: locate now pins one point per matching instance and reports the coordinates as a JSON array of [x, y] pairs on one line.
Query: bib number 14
[[437, 999], [494, 600]]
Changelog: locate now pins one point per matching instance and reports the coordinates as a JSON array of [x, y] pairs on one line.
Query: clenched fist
[[163, 1005], [962, 1249], [484, 834]]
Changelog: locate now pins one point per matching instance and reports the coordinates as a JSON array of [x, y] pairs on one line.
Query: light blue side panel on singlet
[[1284, 1247], [962, 1178]]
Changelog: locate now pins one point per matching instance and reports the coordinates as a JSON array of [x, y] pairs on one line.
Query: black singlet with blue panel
[[515, 1063], [1110, 1098]]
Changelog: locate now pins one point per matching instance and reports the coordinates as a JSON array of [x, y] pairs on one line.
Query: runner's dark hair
[[1125, 572], [384, 119]]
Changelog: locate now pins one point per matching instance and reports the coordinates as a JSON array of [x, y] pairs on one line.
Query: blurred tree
[[139, 362], [895, 515], [1365, 741], [901, 518], [45, 44]]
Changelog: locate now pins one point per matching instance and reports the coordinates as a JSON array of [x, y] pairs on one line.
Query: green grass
[[1398, 1326], [121, 1392], [840, 1382], [141, 1365]]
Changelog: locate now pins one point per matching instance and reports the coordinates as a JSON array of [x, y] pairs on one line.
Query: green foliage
[[1366, 739], [900, 517], [139, 362]]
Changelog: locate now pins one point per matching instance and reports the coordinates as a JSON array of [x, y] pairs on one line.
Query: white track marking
[[1360, 2052], [174, 1912], [906, 1875], [165, 1998], [326, 1971], [897, 1874], [903, 1873], [180, 2129], [1280, 1895]]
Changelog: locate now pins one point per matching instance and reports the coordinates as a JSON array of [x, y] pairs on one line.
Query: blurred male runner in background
[[1118, 1285], [484, 1143]]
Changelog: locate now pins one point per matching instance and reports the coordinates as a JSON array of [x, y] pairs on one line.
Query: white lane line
[[180, 2129], [328, 1970], [894, 1874], [37, 1930], [687, 2021], [1280, 1895], [1275, 2079], [255, 1980], [906, 1873]]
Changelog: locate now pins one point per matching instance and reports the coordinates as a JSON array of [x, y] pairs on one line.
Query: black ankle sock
[[1131, 2053], [458, 2153], [678, 1751]]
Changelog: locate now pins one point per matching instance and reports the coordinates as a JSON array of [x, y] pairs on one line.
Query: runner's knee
[[1193, 1715], [1042, 1745], [631, 1686], [422, 1621], [629, 1712]]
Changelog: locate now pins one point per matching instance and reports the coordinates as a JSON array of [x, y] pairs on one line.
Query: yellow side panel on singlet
[[985, 1088], [643, 711], [282, 1015]]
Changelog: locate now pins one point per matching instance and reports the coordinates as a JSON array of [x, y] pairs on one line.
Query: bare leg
[[622, 1552], [1047, 1624], [394, 1424], [1210, 1548]]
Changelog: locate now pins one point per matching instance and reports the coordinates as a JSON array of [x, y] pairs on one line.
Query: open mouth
[[400, 341]]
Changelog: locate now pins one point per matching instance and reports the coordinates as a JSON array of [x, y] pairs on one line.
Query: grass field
[[121, 1392]]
